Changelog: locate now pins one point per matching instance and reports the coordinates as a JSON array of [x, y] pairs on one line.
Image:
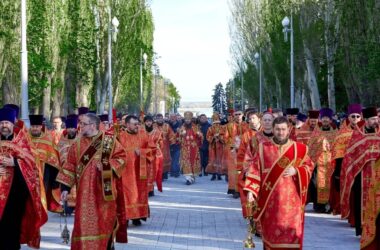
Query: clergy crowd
[[103, 169]]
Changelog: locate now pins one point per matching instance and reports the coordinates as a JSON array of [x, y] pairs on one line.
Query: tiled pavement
[[203, 216]]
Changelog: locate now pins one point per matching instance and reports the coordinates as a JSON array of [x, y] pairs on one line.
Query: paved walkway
[[203, 216]]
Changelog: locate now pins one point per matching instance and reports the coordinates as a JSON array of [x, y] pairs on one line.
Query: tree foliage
[[219, 100], [336, 51], [67, 45]]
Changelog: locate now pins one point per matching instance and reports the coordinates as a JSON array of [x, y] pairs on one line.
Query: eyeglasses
[[355, 116], [237, 114], [83, 124]]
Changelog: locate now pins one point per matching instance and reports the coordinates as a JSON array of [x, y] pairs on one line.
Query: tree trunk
[[311, 78], [331, 44], [46, 100]]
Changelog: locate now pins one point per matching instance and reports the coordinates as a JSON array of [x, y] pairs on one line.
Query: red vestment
[[168, 136], [64, 145], [46, 152], [95, 219], [190, 140], [280, 200], [338, 151], [215, 136], [234, 133], [135, 176], [320, 153], [247, 150], [303, 134], [362, 152], [35, 215], [155, 173], [56, 135]]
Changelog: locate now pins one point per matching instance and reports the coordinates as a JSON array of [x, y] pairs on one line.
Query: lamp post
[[113, 24], [259, 63], [24, 67], [285, 23], [143, 58]]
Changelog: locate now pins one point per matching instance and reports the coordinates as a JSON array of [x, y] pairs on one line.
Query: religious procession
[[103, 172]]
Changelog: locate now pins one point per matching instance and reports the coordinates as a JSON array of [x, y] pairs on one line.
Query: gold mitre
[[188, 115]]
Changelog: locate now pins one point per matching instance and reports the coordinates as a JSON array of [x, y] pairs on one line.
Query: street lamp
[[143, 58], [112, 29], [24, 68], [258, 62], [285, 23]]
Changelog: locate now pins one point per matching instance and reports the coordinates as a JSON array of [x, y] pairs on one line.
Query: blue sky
[[192, 38]]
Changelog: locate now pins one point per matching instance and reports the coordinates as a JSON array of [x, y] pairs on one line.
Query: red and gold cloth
[[303, 134], [362, 152], [64, 145], [234, 134], [168, 136], [215, 136], [46, 152], [95, 219], [190, 141], [338, 151], [320, 153], [247, 150], [56, 135], [35, 215], [135, 176], [370, 239], [155, 173], [280, 200]]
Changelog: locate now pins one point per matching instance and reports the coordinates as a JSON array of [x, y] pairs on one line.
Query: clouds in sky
[[192, 38]]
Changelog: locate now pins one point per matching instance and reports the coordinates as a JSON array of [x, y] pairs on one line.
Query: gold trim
[[92, 237]]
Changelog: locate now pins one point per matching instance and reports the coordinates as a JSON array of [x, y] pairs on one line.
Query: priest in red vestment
[[291, 114], [167, 136], [94, 162], [69, 135], [277, 182], [248, 147], [320, 153], [338, 151], [357, 169], [155, 144], [190, 138], [303, 134], [135, 177], [234, 133], [215, 137], [47, 158], [57, 130], [21, 211]]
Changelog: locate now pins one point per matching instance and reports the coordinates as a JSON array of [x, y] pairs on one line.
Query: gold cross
[[86, 157], [267, 186], [373, 148]]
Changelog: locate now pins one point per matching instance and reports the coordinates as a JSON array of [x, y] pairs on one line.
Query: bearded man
[[47, 159], [21, 211], [94, 162], [190, 138], [277, 181]]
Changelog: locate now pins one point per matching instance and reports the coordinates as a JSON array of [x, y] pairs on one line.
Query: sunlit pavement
[[203, 216]]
